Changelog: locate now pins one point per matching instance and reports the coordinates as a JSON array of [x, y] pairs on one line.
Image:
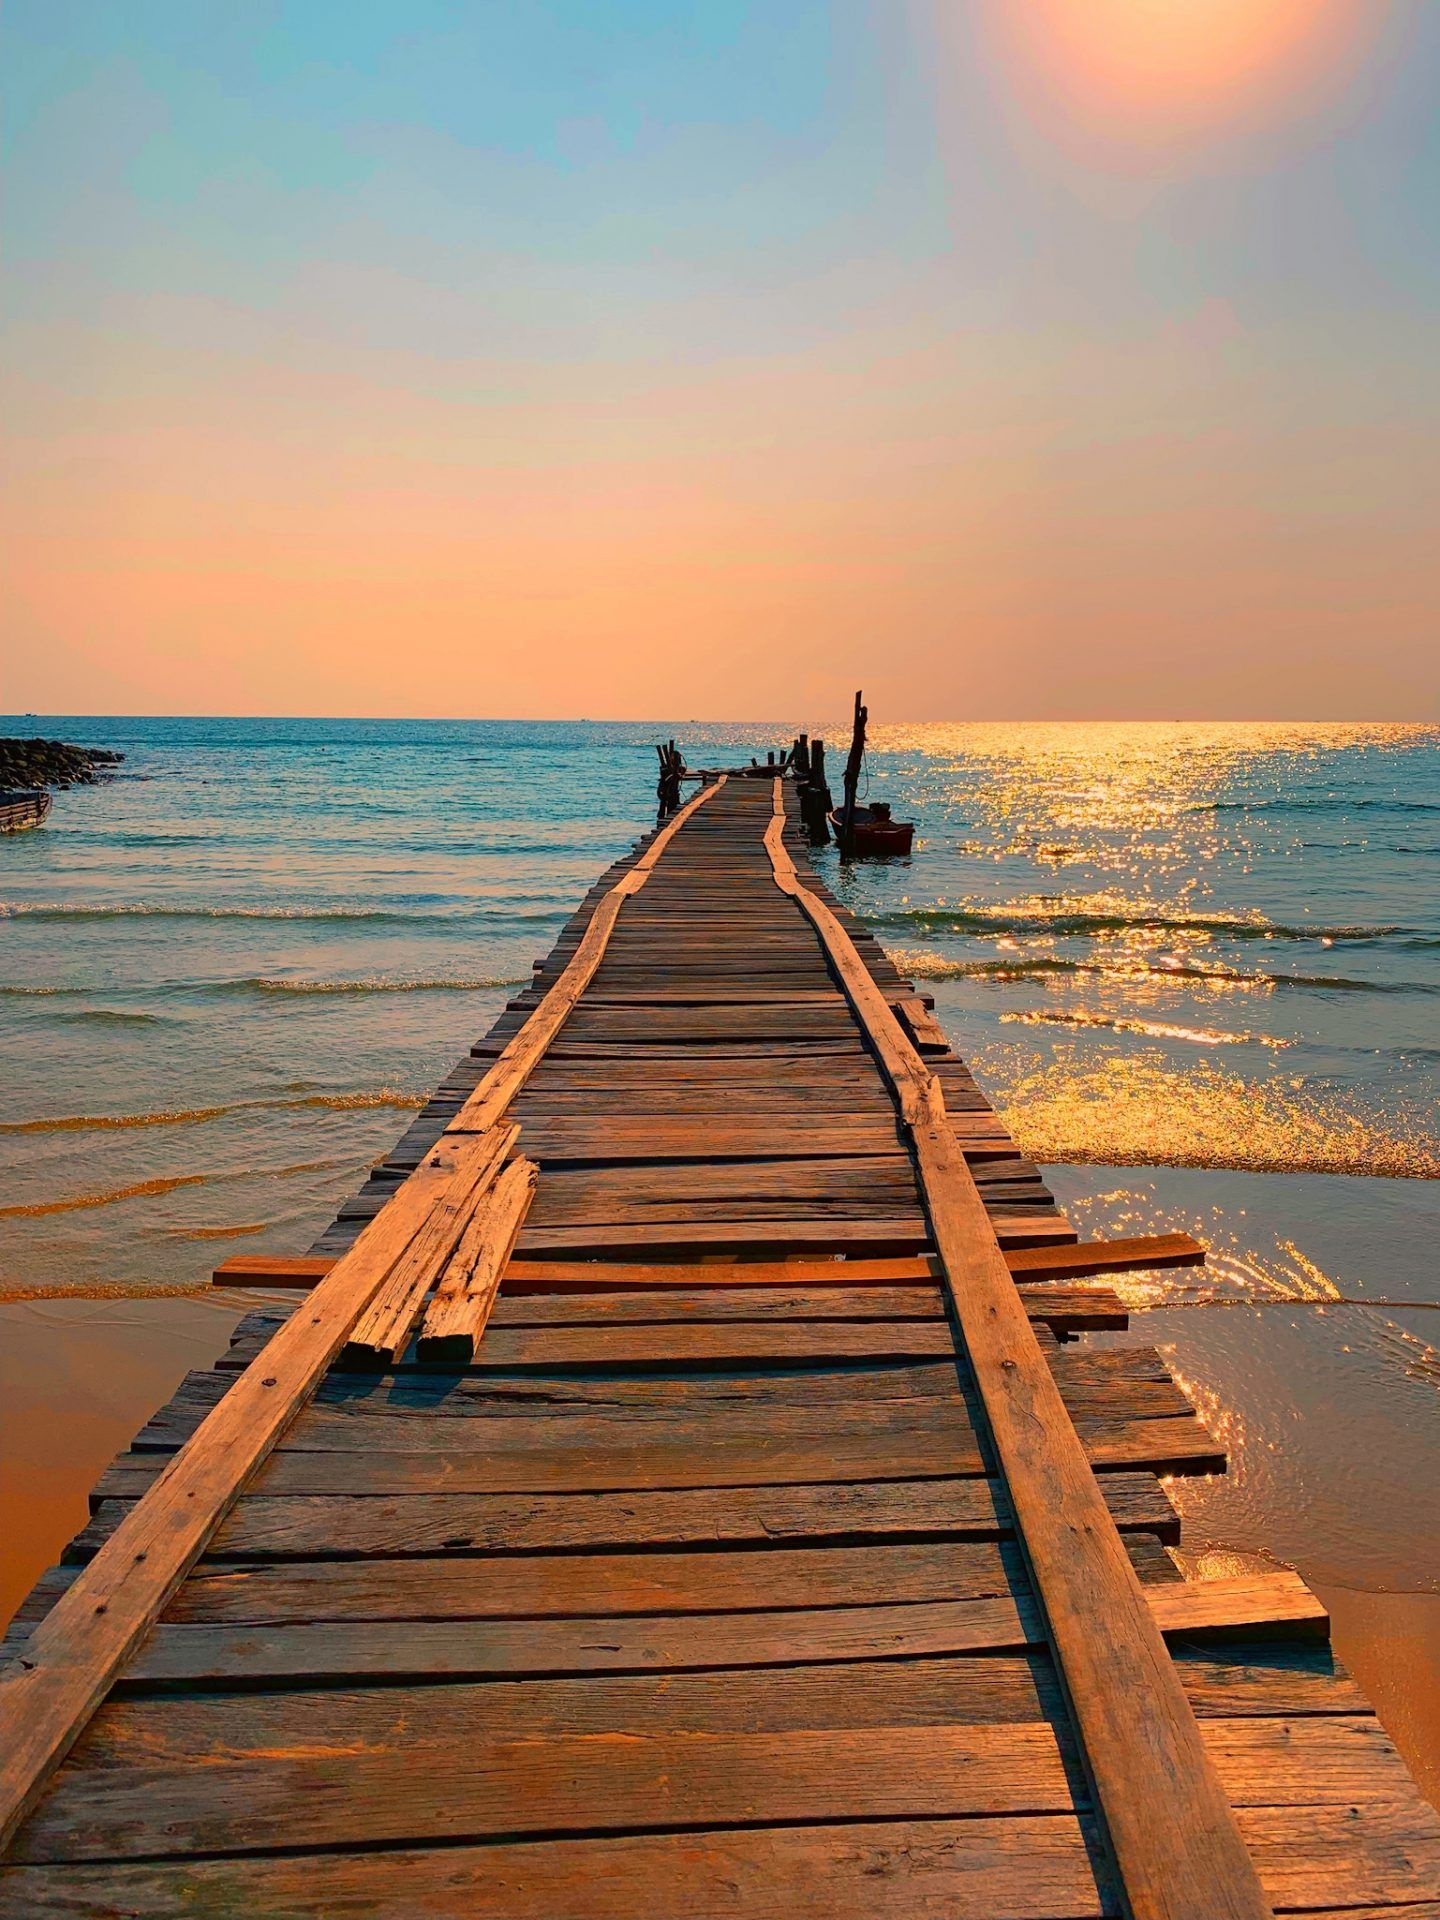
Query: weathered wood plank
[[323, 1527], [990, 1868], [557, 1783], [383, 1329], [465, 1295], [363, 1459], [352, 1651], [1088, 1379]]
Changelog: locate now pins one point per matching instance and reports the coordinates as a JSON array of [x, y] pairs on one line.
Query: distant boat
[[22, 807], [872, 831]]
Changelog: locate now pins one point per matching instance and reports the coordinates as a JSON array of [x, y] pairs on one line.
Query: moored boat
[[872, 831], [22, 808]]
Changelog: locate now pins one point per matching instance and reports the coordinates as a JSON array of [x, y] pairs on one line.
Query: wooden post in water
[[815, 801], [667, 787], [852, 775]]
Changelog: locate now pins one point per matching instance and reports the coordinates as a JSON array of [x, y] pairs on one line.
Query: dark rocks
[[53, 763]]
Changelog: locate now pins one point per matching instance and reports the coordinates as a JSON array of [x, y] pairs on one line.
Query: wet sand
[[78, 1379]]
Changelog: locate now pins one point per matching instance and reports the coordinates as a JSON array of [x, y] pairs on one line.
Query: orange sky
[[1049, 374]]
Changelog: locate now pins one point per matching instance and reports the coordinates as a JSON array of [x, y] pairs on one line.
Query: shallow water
[[1198, 968]]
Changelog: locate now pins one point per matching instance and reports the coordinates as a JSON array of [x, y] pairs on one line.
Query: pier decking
[[766, 1545]]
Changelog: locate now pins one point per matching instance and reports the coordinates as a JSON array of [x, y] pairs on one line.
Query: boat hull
[[21, 810], [874, 837]]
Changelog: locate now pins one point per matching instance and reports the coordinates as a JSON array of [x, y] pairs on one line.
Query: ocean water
[[1198, 967]]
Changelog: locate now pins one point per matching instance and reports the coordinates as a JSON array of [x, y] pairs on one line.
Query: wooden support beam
[[1134, 1724]]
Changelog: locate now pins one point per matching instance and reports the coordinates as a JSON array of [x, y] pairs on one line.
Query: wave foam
[[260, 983], [1156, 1029]]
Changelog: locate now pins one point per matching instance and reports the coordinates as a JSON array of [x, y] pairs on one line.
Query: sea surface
[[1197, 967]]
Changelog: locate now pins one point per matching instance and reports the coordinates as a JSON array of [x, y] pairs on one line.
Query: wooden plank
[[652, 1240], [923, 1028], [467, 1290], [272, 1270], [1130, 1711], [351, 1651], [339, 1528], [573, 1305], [1223, 1676], [1138, 1253], [429, 1455], [540, 1586], [610, 1306], [719, 1345], [383, 1330], [1080, 1373], [559, 1783], [1036, 1867]]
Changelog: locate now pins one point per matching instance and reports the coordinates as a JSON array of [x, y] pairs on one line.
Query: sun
[[1171, 67]]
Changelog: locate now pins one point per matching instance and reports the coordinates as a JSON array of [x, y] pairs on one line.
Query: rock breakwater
[[53, 763]]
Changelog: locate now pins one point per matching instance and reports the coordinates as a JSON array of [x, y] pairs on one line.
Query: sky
[[610, 358]]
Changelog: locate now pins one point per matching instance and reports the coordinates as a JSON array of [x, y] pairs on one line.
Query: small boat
[[872, 831], [22, 807]]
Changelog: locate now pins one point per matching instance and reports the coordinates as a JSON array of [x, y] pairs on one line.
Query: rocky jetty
[[53, 763]]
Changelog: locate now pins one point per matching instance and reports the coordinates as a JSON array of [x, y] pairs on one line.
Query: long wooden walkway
[[765, 1545]]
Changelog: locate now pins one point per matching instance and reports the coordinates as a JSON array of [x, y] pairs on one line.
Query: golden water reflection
[[1139, 1109]]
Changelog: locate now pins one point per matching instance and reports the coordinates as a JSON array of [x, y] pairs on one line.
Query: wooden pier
[[672, 1488]]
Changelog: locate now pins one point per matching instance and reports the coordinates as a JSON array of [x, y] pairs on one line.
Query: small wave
[[198, 1116], [921, 965], [142, 1190], [109, 837], [1327, 803], [479, 983], [217, 1233], [1156, 1029], [1061, 920], [111, 1017], [39, 993], [153, 1189], [115, 1122], [359, 1102], [394, 916]]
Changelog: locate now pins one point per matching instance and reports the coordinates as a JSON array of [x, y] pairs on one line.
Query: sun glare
[[1163, 68]]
